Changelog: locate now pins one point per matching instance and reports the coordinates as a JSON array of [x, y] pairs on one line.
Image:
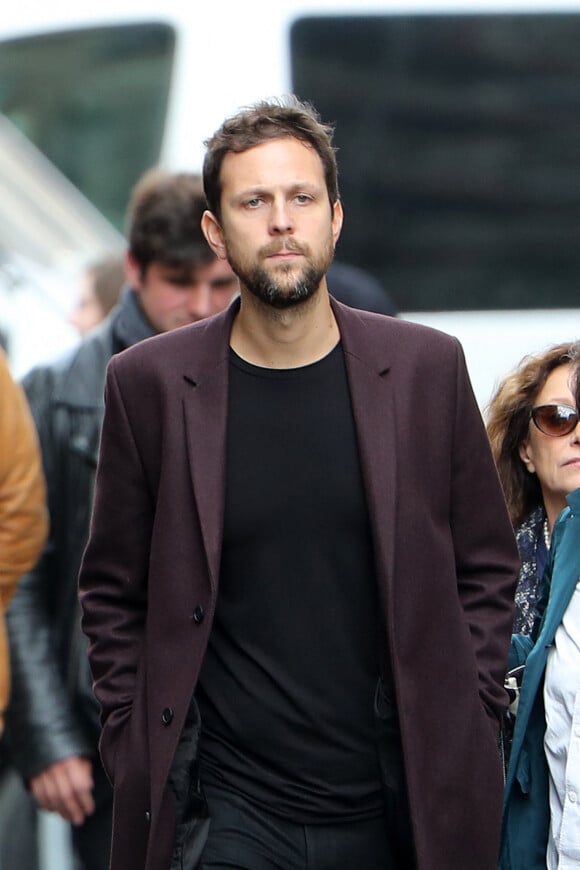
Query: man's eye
[[303, 198], [254, 202]]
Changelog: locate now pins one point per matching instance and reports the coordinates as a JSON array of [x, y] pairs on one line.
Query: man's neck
[[284, 338]]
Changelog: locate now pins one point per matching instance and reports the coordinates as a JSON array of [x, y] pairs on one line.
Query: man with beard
[[298, 624]]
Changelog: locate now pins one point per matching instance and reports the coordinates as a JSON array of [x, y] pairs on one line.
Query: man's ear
[[133, 272], [214, 234], [337, 219], [523, 450]]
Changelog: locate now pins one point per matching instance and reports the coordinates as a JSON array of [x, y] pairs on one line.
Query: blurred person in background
[[23, 530], [541, 819], [532, 423], [53, 727], [23, 513], [101, 285]]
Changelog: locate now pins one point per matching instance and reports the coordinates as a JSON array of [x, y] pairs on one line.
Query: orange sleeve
[[23, 511]]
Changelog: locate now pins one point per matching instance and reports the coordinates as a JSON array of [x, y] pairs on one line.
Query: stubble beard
[[276, 292]]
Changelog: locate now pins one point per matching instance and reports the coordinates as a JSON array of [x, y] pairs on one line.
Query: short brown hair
[[164, 220], [262, 122], [508, 419]]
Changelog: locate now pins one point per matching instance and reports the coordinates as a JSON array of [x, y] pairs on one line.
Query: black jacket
[[52, 713]]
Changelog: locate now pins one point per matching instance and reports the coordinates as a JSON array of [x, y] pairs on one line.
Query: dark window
[[94, 101], [459, 152]]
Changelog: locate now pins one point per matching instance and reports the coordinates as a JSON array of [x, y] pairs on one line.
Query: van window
[[459, 151], [94, 101]]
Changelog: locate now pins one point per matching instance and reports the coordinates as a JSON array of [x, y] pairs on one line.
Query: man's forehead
[[268, 160]]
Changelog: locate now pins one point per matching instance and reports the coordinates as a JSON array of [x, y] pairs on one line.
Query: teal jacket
[[526, 812]]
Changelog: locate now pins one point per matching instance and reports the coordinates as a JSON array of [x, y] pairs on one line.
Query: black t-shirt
[[287, 685]]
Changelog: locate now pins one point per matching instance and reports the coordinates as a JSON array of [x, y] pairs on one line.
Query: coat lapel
[[564, 572], [371, 389], [205, 402]]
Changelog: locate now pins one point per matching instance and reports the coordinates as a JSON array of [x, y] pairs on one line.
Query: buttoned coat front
[[446, 564]]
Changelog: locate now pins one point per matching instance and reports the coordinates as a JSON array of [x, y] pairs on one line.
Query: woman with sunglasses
[[532, 423], [541, 815]]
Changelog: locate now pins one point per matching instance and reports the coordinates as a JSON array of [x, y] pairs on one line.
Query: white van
[[457, 123]]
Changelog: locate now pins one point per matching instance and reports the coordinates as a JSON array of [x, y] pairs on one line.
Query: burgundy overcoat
[[446, 568]]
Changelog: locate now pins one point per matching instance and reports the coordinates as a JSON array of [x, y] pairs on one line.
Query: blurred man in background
[[53, 720]]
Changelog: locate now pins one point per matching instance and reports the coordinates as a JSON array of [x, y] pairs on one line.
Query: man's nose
[[281, 218]]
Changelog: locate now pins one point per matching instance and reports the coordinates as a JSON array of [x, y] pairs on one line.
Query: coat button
[[147, 816], [167, 716], [198, 614]]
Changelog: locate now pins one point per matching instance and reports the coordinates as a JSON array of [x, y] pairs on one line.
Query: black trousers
[[245, 837]]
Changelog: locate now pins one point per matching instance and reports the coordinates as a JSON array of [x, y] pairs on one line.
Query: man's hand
[[66, 788]]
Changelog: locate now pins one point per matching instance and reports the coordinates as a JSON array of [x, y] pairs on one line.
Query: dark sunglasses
[[555, 420]]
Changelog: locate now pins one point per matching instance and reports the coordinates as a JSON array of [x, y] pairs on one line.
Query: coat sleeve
[[486, 556], [42, 726], [23, 512], [113, 577]]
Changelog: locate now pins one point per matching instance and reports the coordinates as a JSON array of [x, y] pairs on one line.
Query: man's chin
[[282, 289], [284, 301], [283, 297]]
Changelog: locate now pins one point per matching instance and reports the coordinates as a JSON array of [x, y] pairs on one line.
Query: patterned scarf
[[533, 555]]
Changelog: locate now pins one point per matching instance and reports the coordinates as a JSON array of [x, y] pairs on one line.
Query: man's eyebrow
[[249, 192], [305, 185], [266, 190]]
